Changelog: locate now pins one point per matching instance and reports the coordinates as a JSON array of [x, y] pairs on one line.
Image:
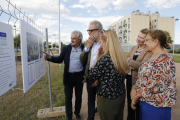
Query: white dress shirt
[[94, 52]]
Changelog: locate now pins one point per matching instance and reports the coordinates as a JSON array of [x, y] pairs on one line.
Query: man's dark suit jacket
[[65, 56]]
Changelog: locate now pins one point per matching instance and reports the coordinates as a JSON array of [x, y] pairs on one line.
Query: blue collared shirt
[[75, 64], [94, 52]]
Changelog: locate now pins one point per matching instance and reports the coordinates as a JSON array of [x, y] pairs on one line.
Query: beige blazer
[[134, 65]]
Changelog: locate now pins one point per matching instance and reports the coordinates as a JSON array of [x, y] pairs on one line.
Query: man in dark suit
[[73, 72]]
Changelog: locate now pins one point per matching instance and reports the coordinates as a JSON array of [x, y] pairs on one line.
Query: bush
[[175, 51], [170, 51]]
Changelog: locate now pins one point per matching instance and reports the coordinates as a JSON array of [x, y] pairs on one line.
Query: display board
[[7, 59], [33, 63]]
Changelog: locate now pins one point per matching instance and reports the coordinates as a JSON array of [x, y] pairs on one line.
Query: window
[[128, 38], [155, 26], [128, 26], [128, 20], [154, 20], [121, 23], [124, 21], [129, 32]]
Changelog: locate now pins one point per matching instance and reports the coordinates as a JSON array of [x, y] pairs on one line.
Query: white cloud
[[101, 5], [77, 6], [87, 5], [107, 20], [89, 11], [38, 6], [98, 4], [124, 4], [65, 0], [161, 3], [46, 22], [79, 14], [104, 20]]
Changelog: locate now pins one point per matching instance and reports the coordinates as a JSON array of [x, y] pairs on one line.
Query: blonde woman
[[136, 57], [110, 69]]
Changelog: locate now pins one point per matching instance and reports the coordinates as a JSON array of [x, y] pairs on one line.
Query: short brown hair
[[161, 36], [144, 31]]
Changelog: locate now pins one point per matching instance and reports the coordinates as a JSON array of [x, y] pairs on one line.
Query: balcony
[[125, 34], [124, 29], [124, 40], [125, 24], [120, 31]]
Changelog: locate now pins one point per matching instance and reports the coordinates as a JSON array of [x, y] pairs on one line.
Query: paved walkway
[[175, 109]]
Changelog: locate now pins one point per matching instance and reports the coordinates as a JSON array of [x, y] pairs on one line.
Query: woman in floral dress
[[155, 85]]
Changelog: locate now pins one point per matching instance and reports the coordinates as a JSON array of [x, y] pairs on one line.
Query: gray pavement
[[175, 109]]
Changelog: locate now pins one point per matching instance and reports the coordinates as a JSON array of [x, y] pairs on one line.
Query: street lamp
[[174, 33], [59, 31]]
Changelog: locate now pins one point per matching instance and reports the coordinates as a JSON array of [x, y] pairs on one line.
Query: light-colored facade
[[128, 27]]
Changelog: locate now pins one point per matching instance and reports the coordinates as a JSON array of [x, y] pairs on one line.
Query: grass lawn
[[20, 105], [176, 58]]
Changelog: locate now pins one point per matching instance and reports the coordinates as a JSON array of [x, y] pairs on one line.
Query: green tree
[[83, 42], [54, 45], [169, 38], [57, 46], [62, 45], [45, 43], [17, 41]]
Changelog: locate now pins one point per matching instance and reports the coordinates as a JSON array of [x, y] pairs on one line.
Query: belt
[[75, 73]]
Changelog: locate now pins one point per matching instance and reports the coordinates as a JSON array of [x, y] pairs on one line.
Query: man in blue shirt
[[73, 72]]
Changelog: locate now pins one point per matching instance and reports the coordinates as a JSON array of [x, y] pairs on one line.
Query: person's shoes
[[96, 111], [78, 117], [69, 119]]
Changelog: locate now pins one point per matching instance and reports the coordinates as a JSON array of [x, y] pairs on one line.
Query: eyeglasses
[[91, 30], [147, 39]]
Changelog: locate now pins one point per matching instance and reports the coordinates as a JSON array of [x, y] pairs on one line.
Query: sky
[[76, 14]]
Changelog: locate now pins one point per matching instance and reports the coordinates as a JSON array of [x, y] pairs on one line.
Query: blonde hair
[[113, 47]]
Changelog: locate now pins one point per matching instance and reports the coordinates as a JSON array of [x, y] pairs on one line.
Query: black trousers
[[73, 80], [91, 99], [132, 114]]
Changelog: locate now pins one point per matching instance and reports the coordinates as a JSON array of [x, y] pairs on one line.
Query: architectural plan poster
[[33, 63], [7, 59]]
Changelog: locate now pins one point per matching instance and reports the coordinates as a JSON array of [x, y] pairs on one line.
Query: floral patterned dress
[[111, 82], [157, 81]]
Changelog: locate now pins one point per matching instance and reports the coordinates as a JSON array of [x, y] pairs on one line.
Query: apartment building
[[128, 27]]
